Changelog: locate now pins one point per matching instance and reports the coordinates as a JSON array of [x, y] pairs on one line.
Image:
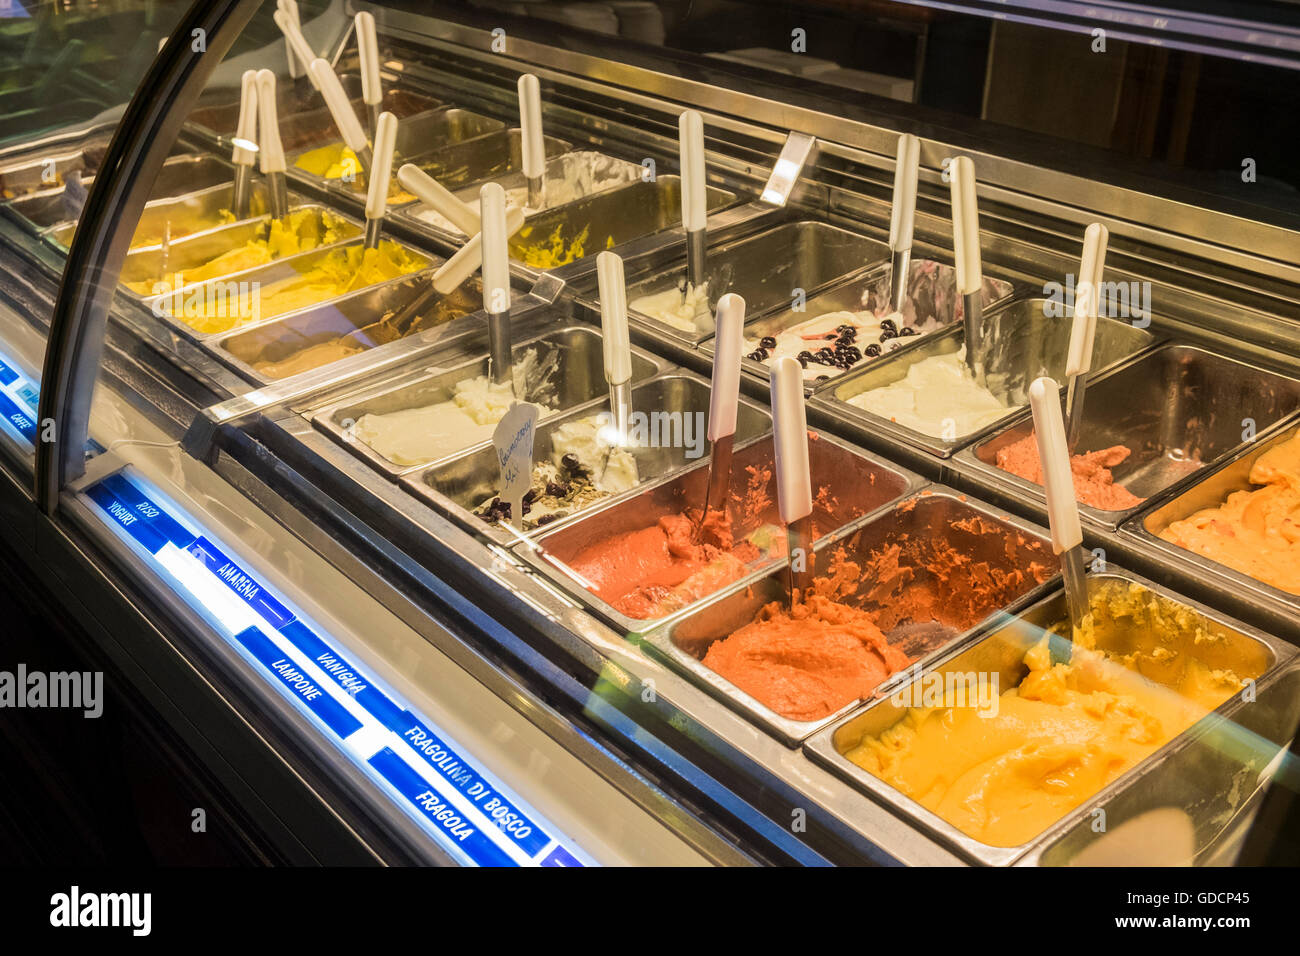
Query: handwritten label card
[[513, 441]]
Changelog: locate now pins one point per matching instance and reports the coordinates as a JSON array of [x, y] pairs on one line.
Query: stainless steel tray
[[184, 214], [765, 269], [685, 641], [1180, 410], [1210, 491], [294, 342], [243, 287], [25, 173], [561, 167], [1023, 344], [578, 379], [858, 485], [460, 485], [604, 221], [1211, 783], [932, 304], [420, 140], [477, 160], [1001, 651], [197, 249]]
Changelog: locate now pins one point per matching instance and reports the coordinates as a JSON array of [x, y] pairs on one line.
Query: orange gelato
[[812, 659], [1094, 484], [1256, 532]]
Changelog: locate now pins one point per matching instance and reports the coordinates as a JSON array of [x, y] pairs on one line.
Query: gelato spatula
[[902, 217], [534, 149], [724, 397], [1079, 361], [1062, 509], [966, 252], [271, 151], [244, 145], [793, 478], [297, 50], [372, 93], [496, 280], [690, 127], [617, 348], [377, 194], [438, 198], [345, 118]]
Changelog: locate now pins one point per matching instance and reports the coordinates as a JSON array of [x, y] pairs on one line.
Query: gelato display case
[[398, 391]]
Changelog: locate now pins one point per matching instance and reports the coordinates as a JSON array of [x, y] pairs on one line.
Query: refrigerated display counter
[[253, 379]]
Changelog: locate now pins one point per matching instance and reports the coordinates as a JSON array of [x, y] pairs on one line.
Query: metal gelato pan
[[30, 172], [569, 177], [310, 339], [182, 215], [239, 296], [932, 304], [1206, 637], [557, 237], [1023, 343], [571, 366], [1195, 806], [304, 119], [995, 543], [464, 483], [476, 160], [194, 251], [1230, 477], [848, 483], [419, 138], [765, 269], [1179, 409]]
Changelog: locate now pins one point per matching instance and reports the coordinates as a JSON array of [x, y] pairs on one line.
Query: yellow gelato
[[337, 161], [1067, 730], [305, 230], [217, 307], [553, 250]]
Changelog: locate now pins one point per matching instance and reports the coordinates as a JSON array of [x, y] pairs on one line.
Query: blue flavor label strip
[[318, 701], [522, 831], [23, 423], [460, 805]]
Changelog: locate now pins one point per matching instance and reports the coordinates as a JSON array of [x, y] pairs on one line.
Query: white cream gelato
[[938, 397], [823, 332], [612, 469], [690, 313]]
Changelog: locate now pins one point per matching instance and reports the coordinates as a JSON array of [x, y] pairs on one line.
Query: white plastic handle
[[690, 127], [613, 318], [469, 257], [1084, 330], [299, 51], [530, 125], [965, 226], [246, 128], [729, 342], [382, 168], [438, 198], [270, 150], [368, 52], [345, 118], [496, 261], [790, 438], [902, 213], [1054, 454]]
